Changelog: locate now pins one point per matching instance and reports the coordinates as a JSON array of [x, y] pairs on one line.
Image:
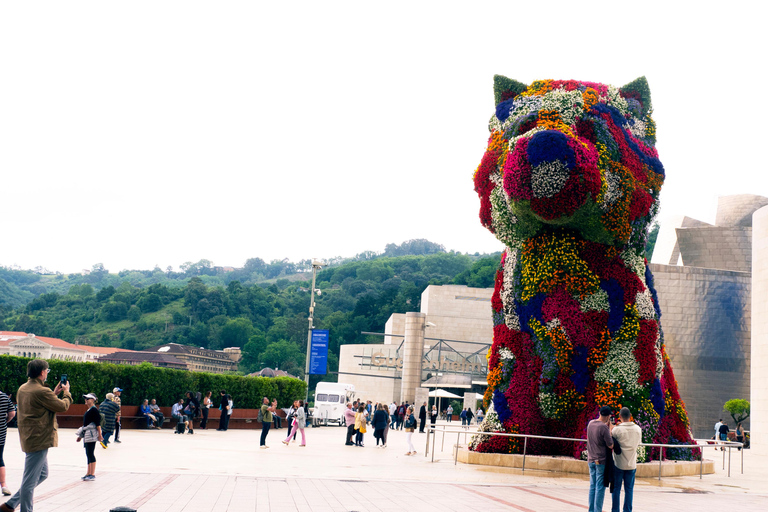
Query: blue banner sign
[[318, 355]]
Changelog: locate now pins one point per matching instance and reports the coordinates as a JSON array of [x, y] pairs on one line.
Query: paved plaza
[[158, 471]]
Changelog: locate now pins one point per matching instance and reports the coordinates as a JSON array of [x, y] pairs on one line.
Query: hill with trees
[[261, 308]]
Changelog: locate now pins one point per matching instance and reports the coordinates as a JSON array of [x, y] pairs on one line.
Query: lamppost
[[316, 265]]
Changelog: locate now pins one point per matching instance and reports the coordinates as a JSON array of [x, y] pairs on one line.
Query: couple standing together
[[602, 435]]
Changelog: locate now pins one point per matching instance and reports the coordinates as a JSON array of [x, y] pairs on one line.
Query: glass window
[[321, 397], [333, 398]]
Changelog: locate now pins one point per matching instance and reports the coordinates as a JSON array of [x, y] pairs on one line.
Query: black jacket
[[423, 413]]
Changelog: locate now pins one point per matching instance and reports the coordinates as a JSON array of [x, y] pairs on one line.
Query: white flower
[[644, 305], [637, 128], [570, 104], [507, 294], [620, 366], [598, 301], [615, 100], [659, 357], [549, 178], [612, 190], [634, 262], [506, 355]]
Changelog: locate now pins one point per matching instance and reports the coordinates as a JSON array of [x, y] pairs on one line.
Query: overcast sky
[[137, 134]]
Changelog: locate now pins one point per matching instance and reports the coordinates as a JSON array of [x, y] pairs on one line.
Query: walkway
[[156, 471]]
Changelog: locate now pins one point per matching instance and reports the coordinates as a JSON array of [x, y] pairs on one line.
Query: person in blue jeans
[[628, 435], [599, 446]]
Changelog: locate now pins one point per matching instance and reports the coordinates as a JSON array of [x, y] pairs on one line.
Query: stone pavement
[[155, 471]]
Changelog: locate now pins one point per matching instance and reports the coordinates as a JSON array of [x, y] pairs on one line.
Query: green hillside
[[262, 311]]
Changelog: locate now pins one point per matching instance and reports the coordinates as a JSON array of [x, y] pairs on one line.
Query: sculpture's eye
[[524, 125]]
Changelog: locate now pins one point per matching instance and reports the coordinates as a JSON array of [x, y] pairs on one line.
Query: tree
[[236, 333], [134, 313], [653, 235], [283, 355], [149, 303], [114, 311], [737, 407]]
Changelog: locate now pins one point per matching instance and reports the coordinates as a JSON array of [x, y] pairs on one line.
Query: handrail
[[704, 443]]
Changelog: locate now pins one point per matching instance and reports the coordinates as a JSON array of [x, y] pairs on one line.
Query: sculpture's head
[[573, 155]]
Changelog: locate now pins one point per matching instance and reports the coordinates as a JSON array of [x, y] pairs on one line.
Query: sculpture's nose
[[552, 162]]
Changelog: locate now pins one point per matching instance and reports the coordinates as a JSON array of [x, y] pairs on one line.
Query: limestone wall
[[374, 383], [459, 313], [706, 325]]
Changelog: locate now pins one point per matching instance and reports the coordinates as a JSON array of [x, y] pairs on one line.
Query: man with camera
[[37, 406]]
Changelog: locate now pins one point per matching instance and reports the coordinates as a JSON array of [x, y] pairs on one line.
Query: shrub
[[146, 381]]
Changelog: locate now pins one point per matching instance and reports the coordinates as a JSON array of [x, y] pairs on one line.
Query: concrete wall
[[459, 313], [706, 325], [377, 384], [759, 375]]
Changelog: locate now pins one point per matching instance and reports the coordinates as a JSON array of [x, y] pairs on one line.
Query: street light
[[316, 265]]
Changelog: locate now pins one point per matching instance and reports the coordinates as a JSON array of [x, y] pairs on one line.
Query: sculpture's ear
[[639, 90], [505, 88]]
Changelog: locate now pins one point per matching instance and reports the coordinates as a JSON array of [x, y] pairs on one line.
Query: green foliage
[[738, 409], [210, 308], [146, 381], [650, 245], [504, 88], [482, 273]]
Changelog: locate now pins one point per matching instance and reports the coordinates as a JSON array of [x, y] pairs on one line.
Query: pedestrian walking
[[7, 413], [392, 414], [410, 426], [470, 415], [599, 444], [267, 411], [116, 399], [628, 436], [90, 433], [433, 416], [110, 410], [38, 406], [449, 413], [298, 422], [463, 416]]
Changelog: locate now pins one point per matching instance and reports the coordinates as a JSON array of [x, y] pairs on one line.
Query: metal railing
[[703, 443]]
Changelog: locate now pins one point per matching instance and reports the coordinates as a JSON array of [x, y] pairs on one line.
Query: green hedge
[[146, 381]]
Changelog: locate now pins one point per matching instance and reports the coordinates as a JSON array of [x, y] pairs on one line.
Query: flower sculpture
[[569, 183]]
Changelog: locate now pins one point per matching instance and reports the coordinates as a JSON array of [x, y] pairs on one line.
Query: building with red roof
[[24, 344]]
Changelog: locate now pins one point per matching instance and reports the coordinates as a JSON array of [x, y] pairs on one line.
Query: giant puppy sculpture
[[570, 183]]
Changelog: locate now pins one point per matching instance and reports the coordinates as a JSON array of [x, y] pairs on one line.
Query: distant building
[[22, 344], [201, 359], [159, 360]]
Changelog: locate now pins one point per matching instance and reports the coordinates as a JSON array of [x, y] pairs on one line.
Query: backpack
[[231, 406], [260, 416], [103, 422]]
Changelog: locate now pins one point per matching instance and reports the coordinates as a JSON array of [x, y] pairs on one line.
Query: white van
[[331, 401]]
